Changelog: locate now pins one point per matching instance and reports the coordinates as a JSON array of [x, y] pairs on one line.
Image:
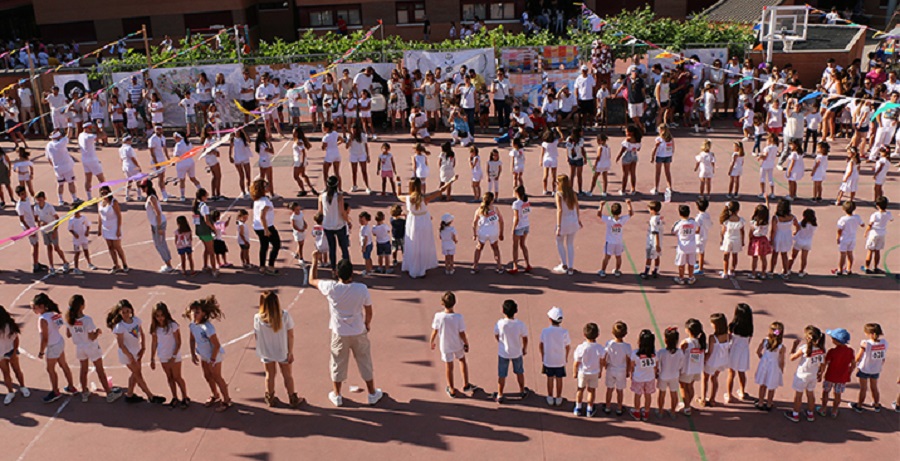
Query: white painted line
[[44, 429]]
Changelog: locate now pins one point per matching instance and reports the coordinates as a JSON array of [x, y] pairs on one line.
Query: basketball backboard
[[783, 23]]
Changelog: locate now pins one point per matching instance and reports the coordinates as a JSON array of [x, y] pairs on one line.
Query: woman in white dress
[[432, 101], [220, 97], [111, 228], [419, 251], [568, 222]]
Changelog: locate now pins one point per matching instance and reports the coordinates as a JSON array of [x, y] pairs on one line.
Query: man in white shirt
[[57, 103], [500, 91], [418, 125], [363, 81], [350, 308], [87, 144], [265, 95], [636, 64], [159, 153], [892, 85], [27, 102], [247, 93], [584, 92], [57, 152]]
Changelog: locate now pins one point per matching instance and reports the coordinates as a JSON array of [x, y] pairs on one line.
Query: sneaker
[[698, 272], [92, 267], [644, 415], [354, 189], [560, 269], [65, 268], [369, 191], [559, 401], [644, 275], [85, 396], [635, 413], [655, 273], [70, 390], [52, 397], [134, 398], [876, 408], [591, 412], [772, 197], [895, 407], [469, 388], [856, 407], [761, 196], [374, 398], [802, 274], [336, 399], [792, 416], [550, 400], [77, 271], [606, 409], [570, 271], [810, 416], [653, 191], [114, 395], [26, 392], [679, 280], [577, 411], [691, 281], [9, 398], [157, 399], [601, 273], [617, 273]]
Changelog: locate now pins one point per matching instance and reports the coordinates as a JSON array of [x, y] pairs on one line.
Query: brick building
[[106, 20]]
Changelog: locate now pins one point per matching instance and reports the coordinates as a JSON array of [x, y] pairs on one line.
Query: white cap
[[584, 68], [447, 217], [56, 135], [555, 314], [87, 125], [126, 138], [178, 135]]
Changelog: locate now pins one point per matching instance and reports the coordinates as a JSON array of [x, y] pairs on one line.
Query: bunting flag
[[179, 158], [884, 108], [841, 102], [811, 96], [349, 52], [20, 236], [116, 182], [790, 89], [745, 79]]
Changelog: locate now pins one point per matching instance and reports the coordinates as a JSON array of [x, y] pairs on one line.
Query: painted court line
[[44, 429]]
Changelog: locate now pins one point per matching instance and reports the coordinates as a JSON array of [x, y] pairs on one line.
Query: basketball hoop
[[786, 24]]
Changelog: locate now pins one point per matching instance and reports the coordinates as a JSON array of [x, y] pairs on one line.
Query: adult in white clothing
[[157, 221], [87, 144], [159, 153], [111, 229], [335, 219], [264, 226], [57, 102], [568, 222], [63, 166], [419, 251], [350, 308]]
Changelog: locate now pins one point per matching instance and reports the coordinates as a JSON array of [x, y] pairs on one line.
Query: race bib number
[[648, 362], [696, 354], [616, 229]]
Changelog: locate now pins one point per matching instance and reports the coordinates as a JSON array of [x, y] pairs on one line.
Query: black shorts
[[587, 107], [554, 372], [245, 246], [219, 247], [249, 105]]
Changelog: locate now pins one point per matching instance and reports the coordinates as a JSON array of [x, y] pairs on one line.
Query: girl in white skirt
[[782, 239], [770, 370], [477, 172], [706, 168], [301, 152], [602, 164], [794, 171], [733, 236], [420, 164], [741, 329], [803, 237], [495, 167], [518, 161], [717, 358], [735, 170], [850, 181], [819, 169], [448, 242], [550, 158], [447, 168]]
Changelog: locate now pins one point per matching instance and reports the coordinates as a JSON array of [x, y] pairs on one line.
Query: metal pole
[[34, 88], [237, 43], [381, 29]]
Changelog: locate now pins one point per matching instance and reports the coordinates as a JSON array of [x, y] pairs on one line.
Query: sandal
[[212, 400], [186, 402], [271, 400], [225, 405]]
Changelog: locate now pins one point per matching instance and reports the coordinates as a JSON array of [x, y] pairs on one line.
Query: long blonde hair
[[665, 133], [270, 309], [566, 191], [486, 201], [415, 192], [707, 145]]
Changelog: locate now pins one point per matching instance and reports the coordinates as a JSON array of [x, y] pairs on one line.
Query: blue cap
[[839, 334]]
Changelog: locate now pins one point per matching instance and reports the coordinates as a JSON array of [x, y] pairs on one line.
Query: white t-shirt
[[156, 144], [813, 121], [670, 364], [80, 331], [808, 367], [654, 227], [510, 332], [258, 207], [165, 340], [126, 153], [704, 223], [644, 367], [345, 304], [879, 221], [555, 340], [87, 142], [188, 105], [614, 228], [131, 334], [78, 225], [666, 148], [272, 345], [524, 209], [44, 214], [848, 225], [54, 321], [617, 355], [7, 339], [774, 120], [382, 233], [873, 358], [686, 231], [202, 333], [449, 326], [365, 235], [25, 211], [362, 82], [588, 355], [331, 149], [584, 87], [518, 160]]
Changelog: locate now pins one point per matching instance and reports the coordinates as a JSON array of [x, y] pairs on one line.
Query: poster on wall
[[71, 83], [172, 83], [519, 60], [560, 57], [481, 59], [529, 86]]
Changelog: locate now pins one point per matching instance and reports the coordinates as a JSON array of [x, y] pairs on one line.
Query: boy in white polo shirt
[[512, 343], [45, 214], [25, 212], [588, 368], [616, 359], [554, 347], [615, 226], [449, 327]]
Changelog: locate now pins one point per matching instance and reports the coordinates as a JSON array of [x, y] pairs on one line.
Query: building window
[[130, 25], [492, 11], [410, 12], [327, 16]]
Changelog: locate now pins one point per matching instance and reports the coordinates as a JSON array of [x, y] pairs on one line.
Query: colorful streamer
[[20, 236], [885, 108], [116, 182], [811, 96]]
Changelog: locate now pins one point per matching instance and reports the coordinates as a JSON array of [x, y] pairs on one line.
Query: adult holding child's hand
[[419, 251]]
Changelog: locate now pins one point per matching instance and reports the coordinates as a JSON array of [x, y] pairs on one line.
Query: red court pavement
[[416, 418]]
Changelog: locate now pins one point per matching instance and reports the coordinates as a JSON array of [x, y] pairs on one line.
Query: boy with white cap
[[554, 347], [449, 327], [57, 152], [87, 144]]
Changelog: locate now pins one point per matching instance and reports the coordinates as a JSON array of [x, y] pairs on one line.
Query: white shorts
[[670, 385], [53, 351], [802, 246], [241, 160], [875, 242], [93, 168], [616, 379], [847, 246], [708, 112], [358, 158], [131, 172], [423, 133], [449, 357], [166, 355], [65, 176], [449, 251], [588, 381], [800, 385], [299, 236], [299, 164], [219, 357], [491, 239], [599, 168], [652, 253], [548, 162], [701, 245], [185, 171], [731, 246], [123, 359], [90, 352], [365, 114], [613, 249], [635, 110], [682, 259], [80, 245], [710, 370]]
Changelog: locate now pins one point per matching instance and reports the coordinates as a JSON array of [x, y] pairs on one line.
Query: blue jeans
[[470, 119], [503, 366], [342, 239]]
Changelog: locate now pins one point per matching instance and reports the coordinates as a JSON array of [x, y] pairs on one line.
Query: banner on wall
[[383, 69], [707, 56], [519, 60], [524, 60], [71, 83], [529, 86], [172, 83], [560, 57], [480, 59]]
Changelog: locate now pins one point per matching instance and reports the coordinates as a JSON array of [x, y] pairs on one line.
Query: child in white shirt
[[705, 167], [615, 224], [366, 240], [847, 226], [685, 256], [671, 361], [382, 234], [602, 165], [318, 233], [450, 329], [298, 230], [616, 361], [587, 368], [243, 237], [448, 242], [554, 347], [876, 232], [512, 343], [643, 368], [190, 114], [704, 224], [80, 228]]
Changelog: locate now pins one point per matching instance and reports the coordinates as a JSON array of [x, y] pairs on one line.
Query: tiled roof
[[745, 11]]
